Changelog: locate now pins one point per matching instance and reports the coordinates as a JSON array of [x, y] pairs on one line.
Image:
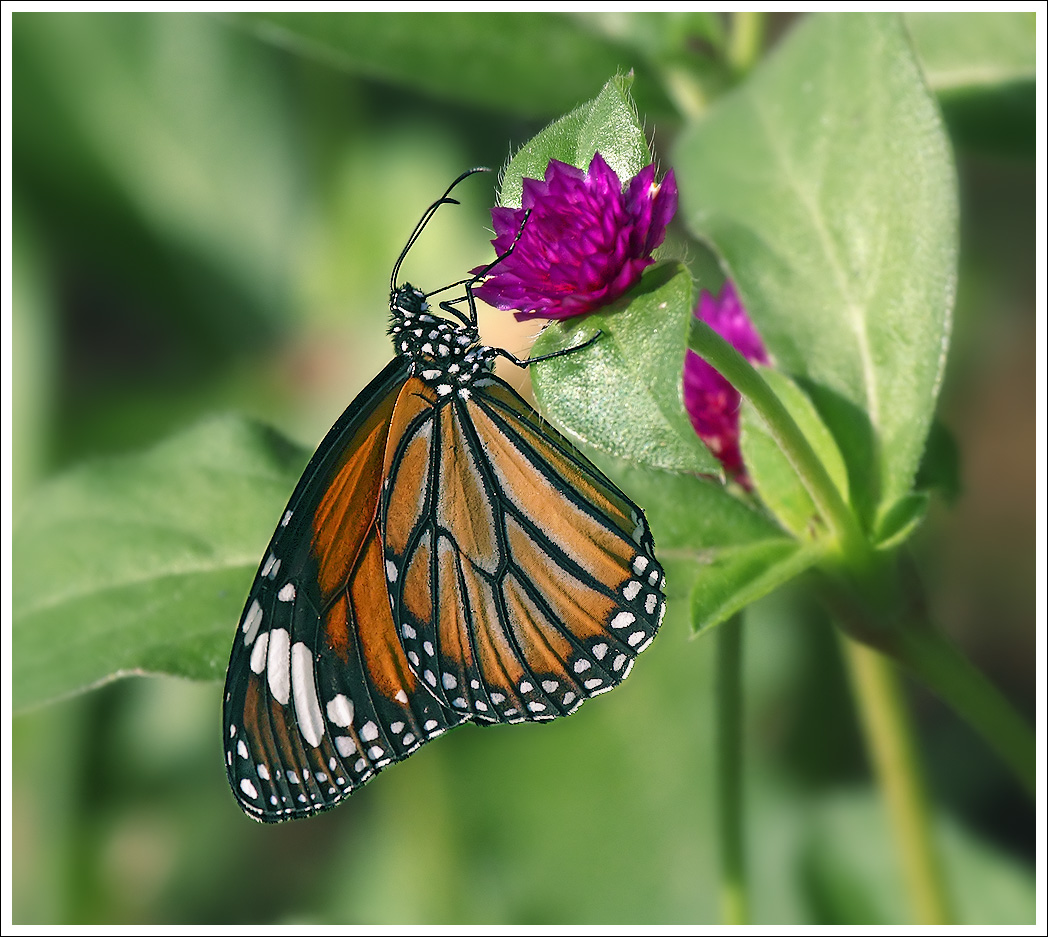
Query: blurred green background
[[205, 212]]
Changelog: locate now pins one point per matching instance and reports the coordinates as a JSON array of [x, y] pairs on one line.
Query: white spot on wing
[[307, 706], [340, 711], [287, 592], [252, 619], [279, 663], [369, 732], [248, 788], [623, 619], [258, 653]]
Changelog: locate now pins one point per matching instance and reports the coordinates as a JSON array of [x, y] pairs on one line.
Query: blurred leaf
[[983, 68], [140, 564], [969, 50], [527, 63], [608, 124], [624, 394], [738, 576], [685, 49], [659, 34], [826, 184], [33, 340], [773, 476], [152, 135], [900, 520]]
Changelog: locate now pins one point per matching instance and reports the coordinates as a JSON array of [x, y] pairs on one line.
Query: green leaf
[[531, 64], [827, 186], [773, 476], [735, 577], [140, 564], [983, 67], [901, 520], [973, 50], [719, 549], [608, 124], [624, 393], [145, 136]]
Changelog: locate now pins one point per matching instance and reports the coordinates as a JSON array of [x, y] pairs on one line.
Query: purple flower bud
[[585, 241], [712, 403]]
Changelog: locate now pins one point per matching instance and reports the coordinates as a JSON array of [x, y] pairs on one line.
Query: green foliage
[[536, 65], [773, 476], [826, 184], [138, 564], [205, 215], [618, 395], [608, 124]]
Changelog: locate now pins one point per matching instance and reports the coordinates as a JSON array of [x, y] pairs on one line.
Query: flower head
[[585, 241], [712, 403]]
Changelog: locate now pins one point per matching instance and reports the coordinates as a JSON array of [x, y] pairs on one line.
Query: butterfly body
[[445, 557]]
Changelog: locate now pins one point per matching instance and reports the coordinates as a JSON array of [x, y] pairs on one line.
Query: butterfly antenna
[[424, 220]]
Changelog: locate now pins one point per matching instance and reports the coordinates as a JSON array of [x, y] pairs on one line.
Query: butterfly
[[446, 557]]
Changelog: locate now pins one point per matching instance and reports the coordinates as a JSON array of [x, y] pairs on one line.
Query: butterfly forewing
[[319, 694], [546, 573]]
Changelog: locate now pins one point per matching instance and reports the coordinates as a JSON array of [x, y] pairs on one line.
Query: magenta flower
[[712, 403], [585, 242]]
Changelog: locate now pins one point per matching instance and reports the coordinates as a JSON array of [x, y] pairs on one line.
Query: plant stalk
[[734, 896], [893, 752]]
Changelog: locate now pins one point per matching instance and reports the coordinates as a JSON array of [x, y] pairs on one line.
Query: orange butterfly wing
[[547, 580]]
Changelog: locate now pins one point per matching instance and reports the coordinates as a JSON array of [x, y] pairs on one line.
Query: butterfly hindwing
[[546, 572], [319, 694]]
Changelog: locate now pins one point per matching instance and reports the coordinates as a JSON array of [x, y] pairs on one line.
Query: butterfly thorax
[[446, 355]]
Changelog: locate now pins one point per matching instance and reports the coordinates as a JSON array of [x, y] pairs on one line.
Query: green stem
[[747, 39], [734, 904], [784, 430], [941, 667], [893, 620], [890, 742]]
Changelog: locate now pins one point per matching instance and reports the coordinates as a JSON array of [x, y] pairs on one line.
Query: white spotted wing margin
[[319, 696], [546, 572]]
